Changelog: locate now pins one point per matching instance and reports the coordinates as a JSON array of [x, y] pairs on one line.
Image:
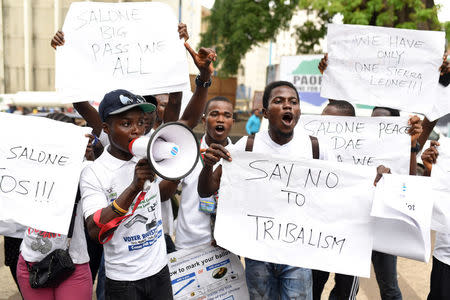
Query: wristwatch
[[201, 83], [416, 148]]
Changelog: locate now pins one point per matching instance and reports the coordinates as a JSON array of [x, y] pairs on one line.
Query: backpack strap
[[250, 142], [315, 147]]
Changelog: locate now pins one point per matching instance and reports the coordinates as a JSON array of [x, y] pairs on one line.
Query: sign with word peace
[[364, 140], [380, 66], [307, 213], [40, 165], [132, 46]]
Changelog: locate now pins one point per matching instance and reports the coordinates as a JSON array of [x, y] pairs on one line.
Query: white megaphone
[[172, 150]]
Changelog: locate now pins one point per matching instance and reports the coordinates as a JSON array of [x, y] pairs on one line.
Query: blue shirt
[[253, 124]]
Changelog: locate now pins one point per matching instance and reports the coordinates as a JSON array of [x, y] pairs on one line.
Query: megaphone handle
[[147, 186]]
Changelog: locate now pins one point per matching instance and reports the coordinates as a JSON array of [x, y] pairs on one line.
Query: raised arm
[[414, 131], [209, 179], [203, 60]]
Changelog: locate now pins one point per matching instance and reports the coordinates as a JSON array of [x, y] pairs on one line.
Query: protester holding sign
[[346, 286], [281, 107], [142, 250], [440, 273], [37, 244]]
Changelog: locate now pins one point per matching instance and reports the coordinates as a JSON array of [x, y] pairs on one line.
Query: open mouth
[[220, 129], [287, 118]]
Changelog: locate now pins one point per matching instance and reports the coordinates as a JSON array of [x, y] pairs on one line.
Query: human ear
[[105, 128], [265, 113]]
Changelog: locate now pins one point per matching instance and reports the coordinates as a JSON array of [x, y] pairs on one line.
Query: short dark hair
[[342, 105], [273, 85], [392, 111], [215, 99]]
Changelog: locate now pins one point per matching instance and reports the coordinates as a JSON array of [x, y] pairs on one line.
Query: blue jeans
[[268, 281], [385, 267]]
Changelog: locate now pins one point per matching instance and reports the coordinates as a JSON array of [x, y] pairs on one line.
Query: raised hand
[[58, 39], [214, 153], [323, 64], [415, 130], [429, 156], [182, 32], [203, 60], [380, 171]]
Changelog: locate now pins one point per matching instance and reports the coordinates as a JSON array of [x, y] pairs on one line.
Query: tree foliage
[[237, 25]]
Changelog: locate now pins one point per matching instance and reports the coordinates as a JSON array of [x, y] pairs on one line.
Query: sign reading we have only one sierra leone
[[381, 66], [133, 46], [291, 212]]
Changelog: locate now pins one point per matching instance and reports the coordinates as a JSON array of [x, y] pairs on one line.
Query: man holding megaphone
[[120, 210]]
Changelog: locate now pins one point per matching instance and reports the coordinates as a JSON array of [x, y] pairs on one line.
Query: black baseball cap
[[119, 101]]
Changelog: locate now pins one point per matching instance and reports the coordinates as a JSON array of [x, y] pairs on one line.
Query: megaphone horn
[[172, 150]]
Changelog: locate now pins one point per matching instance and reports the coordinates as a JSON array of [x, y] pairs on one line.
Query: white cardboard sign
[[381, 66], [207, 273], [364, 140], [132, 46], [40, 165], [309, 213], [403, 209]]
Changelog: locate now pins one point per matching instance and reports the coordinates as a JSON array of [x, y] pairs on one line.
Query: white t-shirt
[[442, 247], [166, 206], [38, 244], [137, 249], [193, 225], [297, 148]]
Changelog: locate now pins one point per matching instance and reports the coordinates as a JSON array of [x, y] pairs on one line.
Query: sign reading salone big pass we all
[[133, 46], [380, 66]]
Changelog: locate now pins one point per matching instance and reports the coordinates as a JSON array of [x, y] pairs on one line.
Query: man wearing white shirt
[[281, 107], [194, 220]]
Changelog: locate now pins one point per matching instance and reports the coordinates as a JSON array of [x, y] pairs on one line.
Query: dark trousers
[[385, 267], [439, 281], [12, 250], [345, 286], [170, 245], [156, 287]]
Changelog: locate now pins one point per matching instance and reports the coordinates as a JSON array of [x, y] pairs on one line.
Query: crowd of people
[[128, 255]]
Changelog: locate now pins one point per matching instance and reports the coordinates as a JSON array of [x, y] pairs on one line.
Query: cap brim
[[146, 107]]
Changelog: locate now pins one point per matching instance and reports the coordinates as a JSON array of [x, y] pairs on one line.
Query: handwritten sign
[[364, 140], [207, 272], [440, 175], [133, 46], [381, 66], [441, 105], [40, 164], [309, 213], [403, 209]]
